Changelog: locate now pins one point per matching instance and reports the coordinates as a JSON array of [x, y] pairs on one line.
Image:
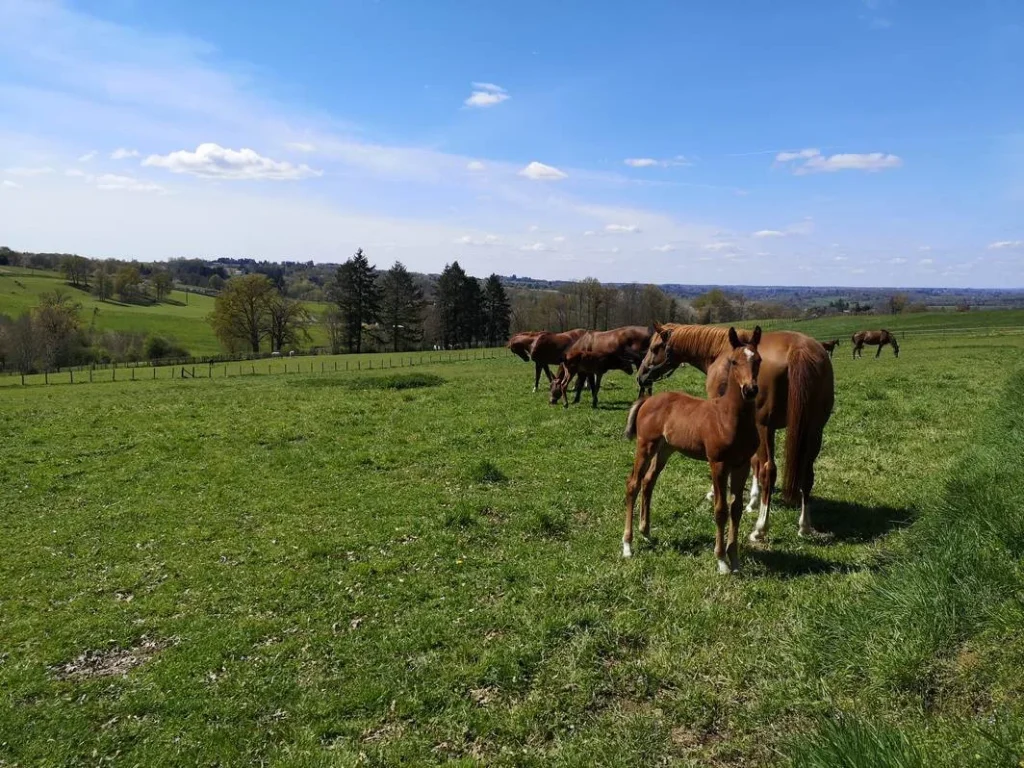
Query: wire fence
[[256, 367]]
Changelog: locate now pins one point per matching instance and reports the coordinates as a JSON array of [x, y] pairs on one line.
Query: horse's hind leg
[[647, 488], [807, 483], [737, 481], [581, 379], [764, 482], [536, 379], [595, 385], [879, 352], [641, 459]]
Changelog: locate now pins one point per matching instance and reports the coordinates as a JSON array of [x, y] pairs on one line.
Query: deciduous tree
[[241, 312]]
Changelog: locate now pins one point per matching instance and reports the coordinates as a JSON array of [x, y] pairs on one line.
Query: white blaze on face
[[749, 353]]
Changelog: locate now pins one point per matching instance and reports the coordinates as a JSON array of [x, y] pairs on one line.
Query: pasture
[[423, 565]]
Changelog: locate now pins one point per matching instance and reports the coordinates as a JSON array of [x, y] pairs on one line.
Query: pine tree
[[357, 295], [401, 309], [497, 311]]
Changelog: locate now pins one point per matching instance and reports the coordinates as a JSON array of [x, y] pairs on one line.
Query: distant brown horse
[[874, 338], [548, 349], [596, 353], [519, 345], [721, 431], [796, 393], [830, 346]]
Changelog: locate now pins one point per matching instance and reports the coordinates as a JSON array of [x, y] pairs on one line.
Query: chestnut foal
[[721, 430]]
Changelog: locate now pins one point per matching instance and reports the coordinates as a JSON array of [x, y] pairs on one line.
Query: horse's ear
[[651, 330], [734, 339], [756, 338]]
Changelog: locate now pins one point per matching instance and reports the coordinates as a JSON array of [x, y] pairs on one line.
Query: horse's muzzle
[[749, 391]]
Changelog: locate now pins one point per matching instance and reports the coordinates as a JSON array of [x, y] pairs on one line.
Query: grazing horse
[[519, 345], [879, 338], [796, 392], [830, 346], [549, 348], [596, 353], [721, 431]]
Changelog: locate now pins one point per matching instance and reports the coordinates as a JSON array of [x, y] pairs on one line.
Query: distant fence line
[[259, 367]]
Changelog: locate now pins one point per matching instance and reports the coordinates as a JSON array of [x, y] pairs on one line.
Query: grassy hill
[[181, 317]]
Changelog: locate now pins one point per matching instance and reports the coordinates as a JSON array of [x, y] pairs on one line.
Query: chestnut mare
[[830, 346], [547, 349], [873, 338], [519, 345], [596, 353], [721, 431], [796, 393]]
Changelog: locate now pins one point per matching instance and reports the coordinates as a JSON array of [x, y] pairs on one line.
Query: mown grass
[[321, 574]]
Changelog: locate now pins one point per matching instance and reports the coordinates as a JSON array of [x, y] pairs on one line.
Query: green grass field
[[422, 566], [182, 317]]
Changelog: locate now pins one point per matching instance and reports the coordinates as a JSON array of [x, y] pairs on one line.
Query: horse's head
[[659, 360], [559, 384], [744, 363]]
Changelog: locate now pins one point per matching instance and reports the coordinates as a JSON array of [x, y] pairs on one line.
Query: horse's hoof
[[758, 537], [723, 568], [627, 550], [710, 496]]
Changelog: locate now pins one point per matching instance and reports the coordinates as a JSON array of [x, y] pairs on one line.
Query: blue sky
[[854, 142]]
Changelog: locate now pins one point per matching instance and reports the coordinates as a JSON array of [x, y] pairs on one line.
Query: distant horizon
[[535, 278], [838, 144]]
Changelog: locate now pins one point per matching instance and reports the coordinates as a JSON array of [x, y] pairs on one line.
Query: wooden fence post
[[72, 372]]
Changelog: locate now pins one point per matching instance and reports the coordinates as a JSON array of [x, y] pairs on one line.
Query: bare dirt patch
[[109, 662]]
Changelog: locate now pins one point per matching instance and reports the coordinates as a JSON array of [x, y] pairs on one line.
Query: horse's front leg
[[879, 352], [536, 378], [737, 481], [595, 385], [764, 481], [581, 378], [720, 481]]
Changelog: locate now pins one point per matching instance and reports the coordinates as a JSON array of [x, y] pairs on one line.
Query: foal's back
[[678, 418]]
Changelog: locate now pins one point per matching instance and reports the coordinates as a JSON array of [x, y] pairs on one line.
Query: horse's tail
[[799, 419], [630, 433]]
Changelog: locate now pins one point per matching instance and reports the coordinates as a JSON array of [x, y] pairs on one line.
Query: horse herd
[[757, 383]]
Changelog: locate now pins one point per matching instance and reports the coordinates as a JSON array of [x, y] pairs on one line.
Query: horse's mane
[[701, 343]]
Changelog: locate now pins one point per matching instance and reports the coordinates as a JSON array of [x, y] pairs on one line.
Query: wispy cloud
[[537, 247], [213, 161], [622, 229], [1006, 245], [806, 161], [769, 233], [479, 240], [650, 162], [486, 95], [88, 156], [301, 146], [540, 172], [41, 171], [666, 248], [122, 153], [475, 166], [11, 184], [110, 181]]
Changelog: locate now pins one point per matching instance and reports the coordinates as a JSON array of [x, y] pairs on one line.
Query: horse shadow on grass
[[853, 523]]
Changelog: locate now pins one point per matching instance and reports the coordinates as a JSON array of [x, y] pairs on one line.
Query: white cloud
[[485, 240], [75, 172], [650, 162], [540, 172], [110, 181], [807, 161], [475, 165], [1000, 245], [664, 248], [300, 146], [486, 95], [212, 161], [538, 247], [924, 248], [558, 239], [719, 246], [926, 262], [769, 233], [589, 233], [622, 229], [87, 156], [11, 184], [122, 153], [29, 171], [898, 260]]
